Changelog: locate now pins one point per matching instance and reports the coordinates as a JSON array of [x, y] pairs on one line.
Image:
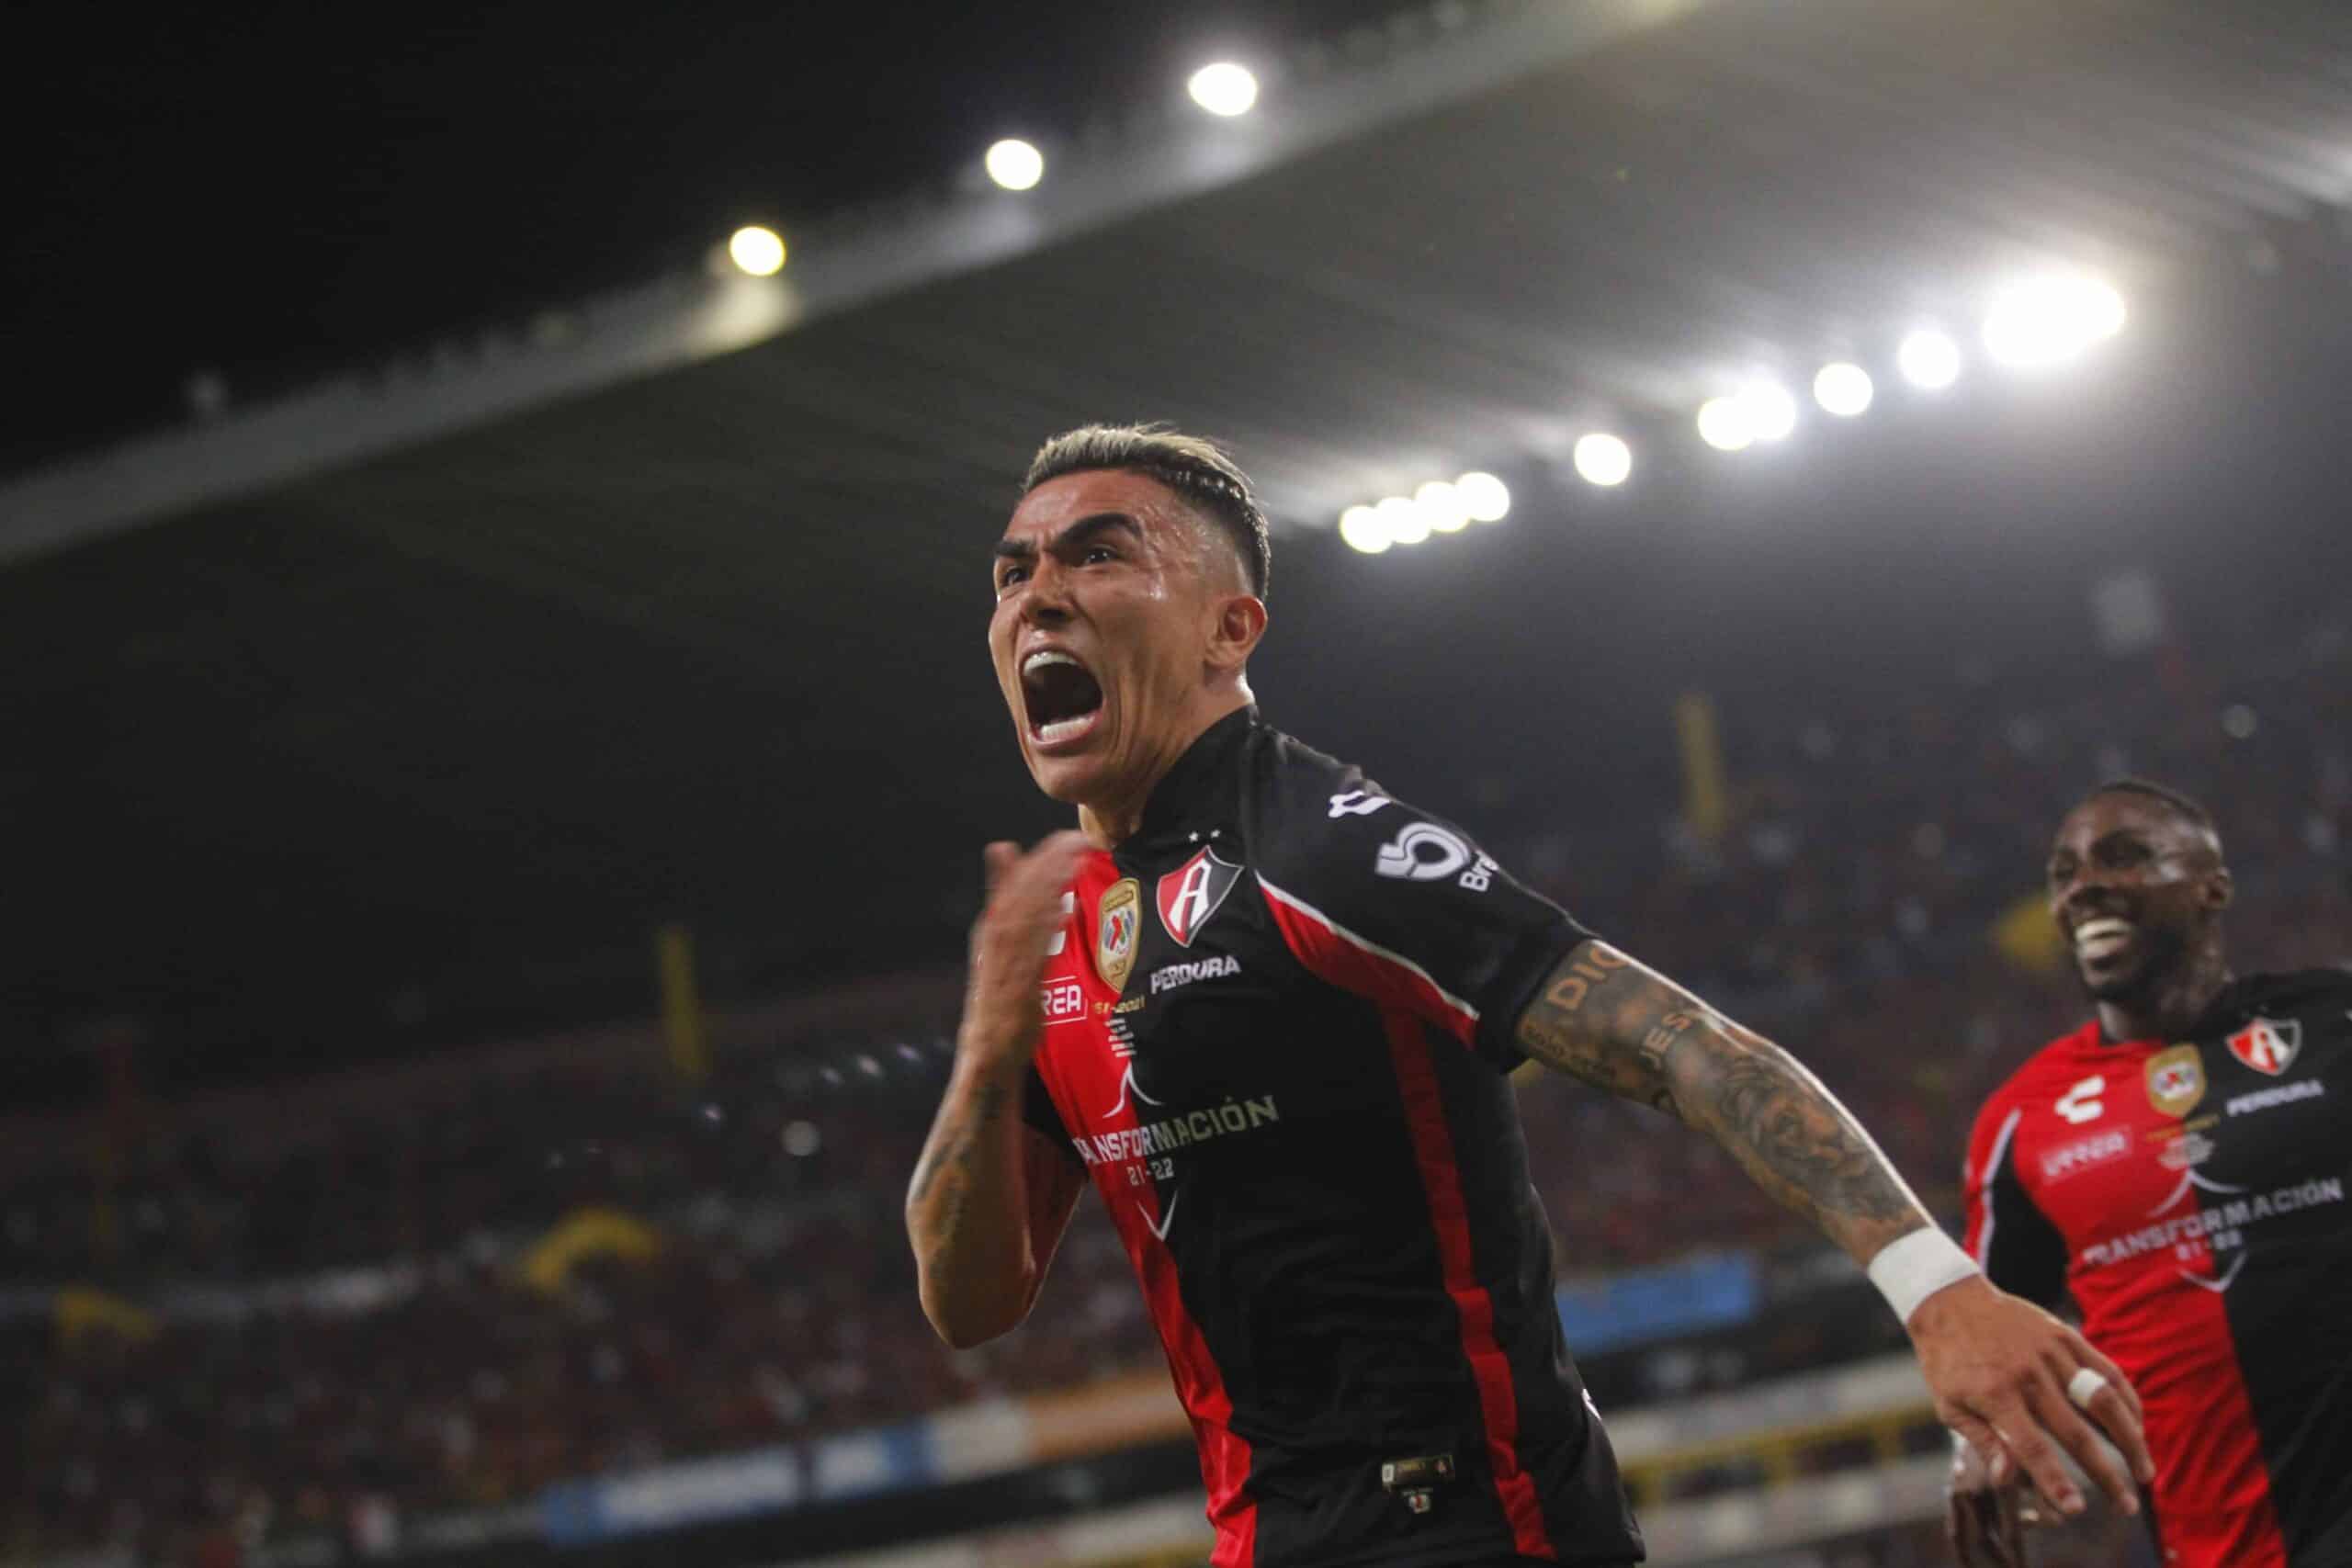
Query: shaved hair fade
[[1195, 468], [2185, 808]]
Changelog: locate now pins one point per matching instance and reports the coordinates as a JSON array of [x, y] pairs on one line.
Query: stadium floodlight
[[1223, 89], [1843, 390], [2050, 320], [1771, 412], [1603, 459], [1403, 520], [1727, 424], [1442, 504], [1485, 498], [1364, 530], [1929, 360], [1015, 164], [756, 250]]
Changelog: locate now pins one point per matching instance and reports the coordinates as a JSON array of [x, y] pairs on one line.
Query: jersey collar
[[1201, 790]]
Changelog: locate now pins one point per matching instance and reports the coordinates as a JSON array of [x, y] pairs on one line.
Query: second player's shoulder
[[2062, 1084], [2322, 995]]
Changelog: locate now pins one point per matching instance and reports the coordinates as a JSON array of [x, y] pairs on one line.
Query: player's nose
[[1045, 600]]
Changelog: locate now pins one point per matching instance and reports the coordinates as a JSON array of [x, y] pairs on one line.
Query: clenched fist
[[1002, 1020]]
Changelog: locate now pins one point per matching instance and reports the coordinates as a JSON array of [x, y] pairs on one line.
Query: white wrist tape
[[1910, 1268]]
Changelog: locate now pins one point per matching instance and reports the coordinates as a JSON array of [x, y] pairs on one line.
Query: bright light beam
[[1929, 360], [1485, 498], [1726, 424], [2050, 320], [757, 251], [1403, 520], [1015, 164], [1363, 529], [1223, 89], [1603, 459], [1771, 412], [1442, 504], [1843, 390]]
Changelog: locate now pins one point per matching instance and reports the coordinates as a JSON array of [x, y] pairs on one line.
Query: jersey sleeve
[[1403, 907], [1037, 1109], [2012, 1239]]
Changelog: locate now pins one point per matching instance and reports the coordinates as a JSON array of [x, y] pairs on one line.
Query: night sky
[[278, 191]]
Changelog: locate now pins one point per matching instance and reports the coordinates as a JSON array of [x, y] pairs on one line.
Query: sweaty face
[[2132, 885], [1104, 612]]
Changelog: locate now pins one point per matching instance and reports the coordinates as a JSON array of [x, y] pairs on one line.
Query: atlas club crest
[[2268, 1044], [1191, 894]]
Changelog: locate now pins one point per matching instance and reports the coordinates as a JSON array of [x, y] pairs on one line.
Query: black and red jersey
[[2191, 1196], [1278, 1025]]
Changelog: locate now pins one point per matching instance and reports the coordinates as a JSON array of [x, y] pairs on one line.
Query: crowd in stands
[[407, 1359]]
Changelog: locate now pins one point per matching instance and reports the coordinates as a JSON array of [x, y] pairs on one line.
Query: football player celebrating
[[2177, 1166]]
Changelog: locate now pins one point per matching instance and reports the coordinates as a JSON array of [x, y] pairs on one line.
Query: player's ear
[[1240, 622]]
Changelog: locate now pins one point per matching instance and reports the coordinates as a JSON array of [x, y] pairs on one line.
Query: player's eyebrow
[[1069, 538]]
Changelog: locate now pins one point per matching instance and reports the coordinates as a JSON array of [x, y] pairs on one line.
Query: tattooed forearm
[[1620, 1026], [988, 1206]]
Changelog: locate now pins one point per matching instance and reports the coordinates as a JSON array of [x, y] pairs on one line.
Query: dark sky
[[278, 191]]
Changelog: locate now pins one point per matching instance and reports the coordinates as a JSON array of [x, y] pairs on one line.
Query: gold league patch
[[1116, 924], [2176, 1080]]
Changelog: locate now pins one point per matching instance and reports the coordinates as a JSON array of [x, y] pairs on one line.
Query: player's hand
[[1984, 1520], [1002, 1020], [1998, 1367]]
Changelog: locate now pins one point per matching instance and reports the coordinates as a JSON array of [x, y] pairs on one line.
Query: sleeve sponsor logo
[[2176, 1080], [2267, 1044], [1188, 896], [2082, 1103], [1423, 851]]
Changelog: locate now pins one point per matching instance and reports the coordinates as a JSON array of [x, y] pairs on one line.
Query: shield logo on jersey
[[2176, 1080], [2268, 1044], [1117, 918], [1190, 894]]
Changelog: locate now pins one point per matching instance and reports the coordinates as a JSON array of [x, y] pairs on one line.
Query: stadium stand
[[320, 1310]]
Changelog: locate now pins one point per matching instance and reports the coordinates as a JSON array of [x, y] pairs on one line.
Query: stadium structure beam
[[1451, 51]]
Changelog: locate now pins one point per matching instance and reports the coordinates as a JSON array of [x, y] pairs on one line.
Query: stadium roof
[[445, 680]]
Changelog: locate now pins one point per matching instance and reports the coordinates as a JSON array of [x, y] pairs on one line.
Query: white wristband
[[1910, 1268]]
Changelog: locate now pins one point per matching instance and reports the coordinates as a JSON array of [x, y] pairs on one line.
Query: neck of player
[[2170, 1004], [1114, 818]]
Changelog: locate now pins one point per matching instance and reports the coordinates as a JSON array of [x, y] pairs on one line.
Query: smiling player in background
[[2178, 1166]]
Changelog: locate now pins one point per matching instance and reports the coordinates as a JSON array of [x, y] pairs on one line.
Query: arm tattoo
[[1620, 1026], [954, 1152]]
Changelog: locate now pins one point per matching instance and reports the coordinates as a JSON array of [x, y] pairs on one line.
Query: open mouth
[[1062, 699], [2095, 940]]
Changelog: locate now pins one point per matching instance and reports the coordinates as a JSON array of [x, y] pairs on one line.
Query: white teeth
[[1063, 729], [1044, 656], [2102, 937]]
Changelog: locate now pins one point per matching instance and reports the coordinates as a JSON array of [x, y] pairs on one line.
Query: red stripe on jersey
[[1225, 1455], [2200, 1429], [1441, 1180], [1336, 955], [1142, 1224], [2207, 1447]]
